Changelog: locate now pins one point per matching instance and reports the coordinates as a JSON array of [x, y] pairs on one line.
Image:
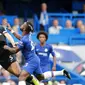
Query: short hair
[[44, 33], [16, 18], [43, 4], [4, 18], [55, 20], [29, 27]]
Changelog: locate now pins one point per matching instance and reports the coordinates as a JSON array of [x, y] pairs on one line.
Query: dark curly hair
[[44, 33]]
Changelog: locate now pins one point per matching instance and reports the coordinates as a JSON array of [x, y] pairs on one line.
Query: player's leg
[[45, 68], [50, 74], [41, 76], [9, 63], [14, 68], [25, 74]]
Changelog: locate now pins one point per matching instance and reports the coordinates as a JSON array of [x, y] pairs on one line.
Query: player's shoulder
[[24, 37], [48, 45]]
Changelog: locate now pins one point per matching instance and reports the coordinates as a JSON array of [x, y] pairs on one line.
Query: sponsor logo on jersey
[[43, 54], [37, 49], [46, 50]]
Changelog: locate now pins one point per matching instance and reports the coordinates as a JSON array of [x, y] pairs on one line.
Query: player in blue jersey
[[43, 51], [32, 64]]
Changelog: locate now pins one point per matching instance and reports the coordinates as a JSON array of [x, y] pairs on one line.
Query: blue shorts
[[33, 66], [45, 68]]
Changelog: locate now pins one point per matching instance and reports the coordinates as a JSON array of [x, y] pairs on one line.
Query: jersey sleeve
[[52, 51], [2, 30], [20, 44]]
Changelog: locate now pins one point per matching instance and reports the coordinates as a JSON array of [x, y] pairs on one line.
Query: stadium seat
[[69, 32], [77, 40]]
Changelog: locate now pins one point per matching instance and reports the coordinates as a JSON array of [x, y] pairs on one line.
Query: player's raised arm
[[13, 32], [9, 37]]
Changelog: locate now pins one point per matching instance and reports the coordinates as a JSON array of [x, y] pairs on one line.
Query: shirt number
[[11, 58], [32, 46]]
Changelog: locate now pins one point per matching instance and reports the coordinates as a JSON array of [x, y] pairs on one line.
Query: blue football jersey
[[32, 62], [43, 53], [27, 47]]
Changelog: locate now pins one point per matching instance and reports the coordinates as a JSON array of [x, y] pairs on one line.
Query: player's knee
[[23, 76], [17, 74]]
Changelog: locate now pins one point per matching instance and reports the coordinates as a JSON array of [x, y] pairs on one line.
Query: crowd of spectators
[[55, 28]]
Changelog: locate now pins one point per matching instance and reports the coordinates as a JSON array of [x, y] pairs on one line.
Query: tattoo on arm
[[12, 50]]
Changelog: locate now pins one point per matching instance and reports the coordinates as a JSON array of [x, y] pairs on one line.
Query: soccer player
[[6, 61], [43, 51], [32, 61]]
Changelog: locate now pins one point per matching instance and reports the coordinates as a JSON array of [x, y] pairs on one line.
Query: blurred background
[[63, 20]]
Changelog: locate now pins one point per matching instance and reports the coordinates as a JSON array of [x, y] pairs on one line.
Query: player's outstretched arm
[[9, 37], [13, 32], [12, 50]]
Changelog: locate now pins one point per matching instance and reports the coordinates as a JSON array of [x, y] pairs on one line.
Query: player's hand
[[16, 43], [9, 27], [53, 68], [6, 47]]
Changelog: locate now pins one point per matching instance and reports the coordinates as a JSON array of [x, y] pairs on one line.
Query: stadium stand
[[66, 36], [61, 18]]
